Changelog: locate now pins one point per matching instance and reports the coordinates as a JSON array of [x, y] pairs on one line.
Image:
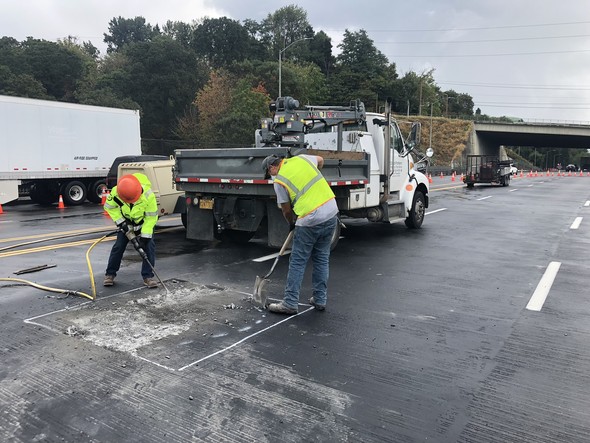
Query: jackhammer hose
[[47, 288], [90, 266]]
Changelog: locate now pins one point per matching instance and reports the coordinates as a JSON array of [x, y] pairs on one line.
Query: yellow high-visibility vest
[[307, 187], [143, 213]]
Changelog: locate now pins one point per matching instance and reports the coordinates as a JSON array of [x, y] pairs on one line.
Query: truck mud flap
[[241, 214]]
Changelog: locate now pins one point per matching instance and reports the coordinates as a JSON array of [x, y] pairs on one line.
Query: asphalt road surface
[[472, 329]]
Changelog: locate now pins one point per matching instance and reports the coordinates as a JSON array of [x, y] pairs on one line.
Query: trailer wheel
[[74, 193], [416, 217], [44, 195], [96, 189]]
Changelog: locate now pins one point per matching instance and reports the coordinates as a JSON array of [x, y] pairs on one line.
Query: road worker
[[133, 207], [309, 206]]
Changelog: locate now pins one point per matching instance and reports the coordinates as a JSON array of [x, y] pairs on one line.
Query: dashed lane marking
[[587, 203], [538, 298], [484, 198], [576, 223]]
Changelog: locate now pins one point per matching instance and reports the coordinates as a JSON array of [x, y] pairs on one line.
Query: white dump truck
[[366, 162], [48, 149]]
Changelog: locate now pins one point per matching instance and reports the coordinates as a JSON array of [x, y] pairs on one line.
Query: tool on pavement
[[135, 242], [258, 296]]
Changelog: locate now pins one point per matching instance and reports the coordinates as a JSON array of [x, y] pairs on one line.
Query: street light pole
[[281, 60]]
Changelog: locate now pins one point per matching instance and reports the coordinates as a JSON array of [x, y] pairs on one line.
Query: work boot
[[150, 282], [315, 305], [109, 280], [281, 308]]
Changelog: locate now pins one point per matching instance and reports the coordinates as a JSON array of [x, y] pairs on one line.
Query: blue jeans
[[117, 255], [314, 242]]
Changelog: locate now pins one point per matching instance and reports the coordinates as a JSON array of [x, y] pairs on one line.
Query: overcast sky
[[525, 58]]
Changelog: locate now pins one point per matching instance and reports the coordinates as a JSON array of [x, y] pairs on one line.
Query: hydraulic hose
[[47, 288], [90, 272]]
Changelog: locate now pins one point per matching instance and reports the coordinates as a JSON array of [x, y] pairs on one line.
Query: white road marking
[[484, 198], [540, 294], [512, 190], [587, 203], [436, 210], [576, 223], [243, 340]]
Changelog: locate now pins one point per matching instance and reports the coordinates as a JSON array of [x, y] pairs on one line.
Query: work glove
[[123, 226]]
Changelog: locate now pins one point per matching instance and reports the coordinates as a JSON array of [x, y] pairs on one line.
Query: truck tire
[[335, 236], [416, 216], [74, 193], [44, 194], [96, 189]]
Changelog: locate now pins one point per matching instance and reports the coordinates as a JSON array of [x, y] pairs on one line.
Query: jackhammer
[[135, 242]]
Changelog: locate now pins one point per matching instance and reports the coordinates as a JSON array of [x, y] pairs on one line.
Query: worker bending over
[[309, 206], [133, 207]]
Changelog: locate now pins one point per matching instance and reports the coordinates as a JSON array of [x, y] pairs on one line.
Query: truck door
[[399, 169]]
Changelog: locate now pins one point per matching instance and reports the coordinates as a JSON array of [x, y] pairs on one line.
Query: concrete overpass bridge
[[487, 138]]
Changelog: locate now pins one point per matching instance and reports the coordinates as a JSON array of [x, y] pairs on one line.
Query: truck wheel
[[44, 195], [96, 189], [74, 193], [335, 236], [416, 217]]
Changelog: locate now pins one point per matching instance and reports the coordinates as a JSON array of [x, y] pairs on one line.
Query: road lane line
[[243, 340], [587, 203], [484, 198], [512, 190], [435, 211], [540, 294], [576, 223]]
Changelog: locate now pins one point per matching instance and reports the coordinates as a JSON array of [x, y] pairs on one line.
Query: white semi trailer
[[48, 148]]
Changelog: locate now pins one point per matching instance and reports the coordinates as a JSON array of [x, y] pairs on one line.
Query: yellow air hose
[[66, 291]]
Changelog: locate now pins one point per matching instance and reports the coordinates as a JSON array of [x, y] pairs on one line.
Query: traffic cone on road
[[429, 178], [441, 175], [60, 204], [453, 177], [1, 211], [103, 197]]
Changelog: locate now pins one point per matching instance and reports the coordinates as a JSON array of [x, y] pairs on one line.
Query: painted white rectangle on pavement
[[587, 203], [576, 223], [538, 299]]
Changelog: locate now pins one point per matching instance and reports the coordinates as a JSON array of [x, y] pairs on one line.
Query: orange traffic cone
[[60, 204], [429, 178], [581, 173], [103, 197], [1, 211], [441, 175], [453, 177]]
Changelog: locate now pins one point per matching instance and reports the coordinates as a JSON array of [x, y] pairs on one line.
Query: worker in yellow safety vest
[[133, 207], [309, 206]]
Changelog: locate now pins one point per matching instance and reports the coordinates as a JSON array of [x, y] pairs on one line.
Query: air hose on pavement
[[67, 292]]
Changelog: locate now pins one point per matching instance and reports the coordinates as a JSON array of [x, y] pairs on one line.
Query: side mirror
[[414, 137]]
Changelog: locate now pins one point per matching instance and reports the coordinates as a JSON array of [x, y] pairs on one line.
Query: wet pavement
[[426, 336]]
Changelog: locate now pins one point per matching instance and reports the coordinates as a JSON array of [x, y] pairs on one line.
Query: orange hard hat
[[129, 188]]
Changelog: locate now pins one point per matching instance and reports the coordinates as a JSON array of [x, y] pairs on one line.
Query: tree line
[[209, 82]]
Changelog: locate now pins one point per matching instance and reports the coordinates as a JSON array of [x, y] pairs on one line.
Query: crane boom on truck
[[367, 163], [53, 148]]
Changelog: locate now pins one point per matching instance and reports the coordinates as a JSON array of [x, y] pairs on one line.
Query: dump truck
[[487, 169], [367, 163], [53, 148]]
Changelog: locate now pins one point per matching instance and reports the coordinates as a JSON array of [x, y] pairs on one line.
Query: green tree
[[362, 71], [320, 49], [179, 31], [221, 41], [123, 31], [283, 27], [161, 76]]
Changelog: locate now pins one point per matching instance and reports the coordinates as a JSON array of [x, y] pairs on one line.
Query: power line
[[509, 86], [489, 55], [483, 40], [469, 29]]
